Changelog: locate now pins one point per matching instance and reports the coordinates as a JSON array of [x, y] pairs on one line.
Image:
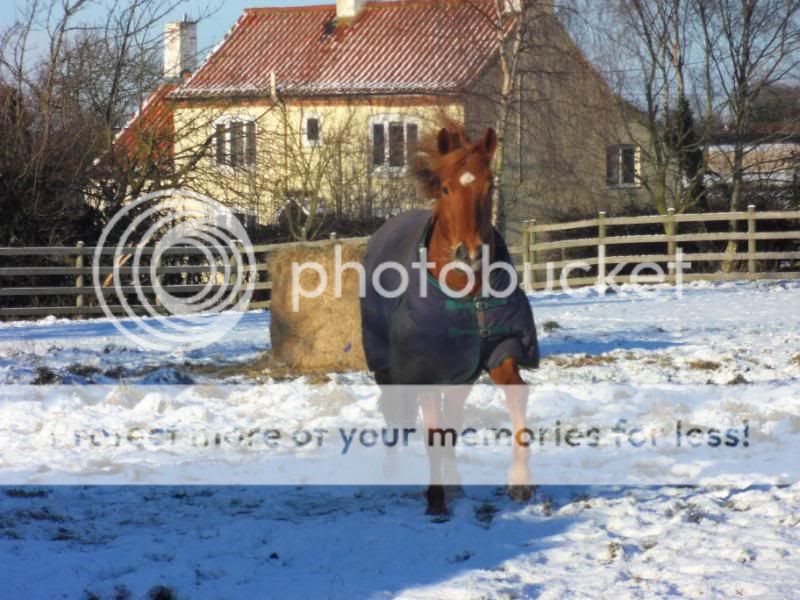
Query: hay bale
[[324, 334]]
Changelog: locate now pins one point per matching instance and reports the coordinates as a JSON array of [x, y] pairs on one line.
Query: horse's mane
[[429, 161]]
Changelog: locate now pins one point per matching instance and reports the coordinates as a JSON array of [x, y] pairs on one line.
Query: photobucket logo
[[611, 273], [566, 276], [474, 274], [153, 233]]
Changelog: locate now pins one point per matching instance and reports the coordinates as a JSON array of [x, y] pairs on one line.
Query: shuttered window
[[394, 143], [250, 143], [411, 142], [235, 143], [378, 145], [221, 144]]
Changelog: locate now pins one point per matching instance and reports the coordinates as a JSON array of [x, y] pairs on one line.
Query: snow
[[712, 353]]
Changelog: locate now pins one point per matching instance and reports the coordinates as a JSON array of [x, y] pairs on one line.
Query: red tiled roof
[[417, 46], [148, 137]]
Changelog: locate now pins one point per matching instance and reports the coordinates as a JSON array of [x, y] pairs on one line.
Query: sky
[[210, 30]]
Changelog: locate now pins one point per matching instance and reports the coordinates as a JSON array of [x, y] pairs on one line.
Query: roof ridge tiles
[[279, 9], [370, 4]]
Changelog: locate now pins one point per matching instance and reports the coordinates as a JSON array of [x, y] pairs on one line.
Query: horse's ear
[[488, 143], [444, 142], [447, 141]]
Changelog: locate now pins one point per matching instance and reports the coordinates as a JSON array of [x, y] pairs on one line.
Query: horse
[[438, 339]]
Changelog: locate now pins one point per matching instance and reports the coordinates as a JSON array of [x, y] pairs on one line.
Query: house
[[770, 165], [771, 155], [321, 107]]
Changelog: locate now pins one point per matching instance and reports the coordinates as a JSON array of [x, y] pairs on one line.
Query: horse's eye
[[445, 191]]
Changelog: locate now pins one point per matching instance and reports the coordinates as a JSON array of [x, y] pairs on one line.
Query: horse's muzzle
[[473, 262]]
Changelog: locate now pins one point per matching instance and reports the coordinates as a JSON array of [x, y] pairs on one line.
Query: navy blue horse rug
[[433, 338]]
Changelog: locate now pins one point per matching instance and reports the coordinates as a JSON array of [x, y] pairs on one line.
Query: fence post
[[157, 299], [245, 273], [526, 256], [185, 274], [333, 236], [751, 241], [601, 247], [230, 285], [671, 244], [534, 253], [79, 276]]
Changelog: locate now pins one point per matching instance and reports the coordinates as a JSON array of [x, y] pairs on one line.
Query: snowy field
[[360, 541]]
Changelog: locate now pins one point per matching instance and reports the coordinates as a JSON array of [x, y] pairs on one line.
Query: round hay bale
[[313, 328]]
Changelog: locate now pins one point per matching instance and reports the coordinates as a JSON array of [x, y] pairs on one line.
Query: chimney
[[347, 10], [538, 7], [180, 48]]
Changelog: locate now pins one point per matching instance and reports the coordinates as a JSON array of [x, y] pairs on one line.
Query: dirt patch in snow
[[703, 365]]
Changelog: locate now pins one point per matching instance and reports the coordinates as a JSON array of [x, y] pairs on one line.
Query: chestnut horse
[[456, 174]]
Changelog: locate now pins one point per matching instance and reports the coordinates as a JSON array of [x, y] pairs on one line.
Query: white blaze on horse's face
[[466, 178]]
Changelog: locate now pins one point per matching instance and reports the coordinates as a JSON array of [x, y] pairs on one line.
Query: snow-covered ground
[[359, 541]]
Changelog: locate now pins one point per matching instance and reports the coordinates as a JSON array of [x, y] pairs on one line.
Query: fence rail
[[77, 281], [538, 252], [543, 261]]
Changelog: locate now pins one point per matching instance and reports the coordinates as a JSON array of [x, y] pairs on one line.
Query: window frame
[[320, 140], [386, 120], [619, 153], [249, 144]]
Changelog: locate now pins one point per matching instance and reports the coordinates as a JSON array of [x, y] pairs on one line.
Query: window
[[235, 142], [394, 142], [378, 145], [622, 165], [312, 130]]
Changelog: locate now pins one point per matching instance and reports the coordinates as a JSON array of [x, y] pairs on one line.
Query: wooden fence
[[75, 275], [542, 260], [546, 260]]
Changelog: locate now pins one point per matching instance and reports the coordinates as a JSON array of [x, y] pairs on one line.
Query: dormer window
[[235, 142], [394, 142]]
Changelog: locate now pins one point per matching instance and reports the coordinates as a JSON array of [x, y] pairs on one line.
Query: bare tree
[[680, 59], [62, 101], [751, 45]]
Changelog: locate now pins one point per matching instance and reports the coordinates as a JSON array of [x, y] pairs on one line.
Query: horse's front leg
[[433, 430], [453, 410], [516, 392]]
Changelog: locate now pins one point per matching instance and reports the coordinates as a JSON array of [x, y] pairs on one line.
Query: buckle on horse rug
[[484, 332]]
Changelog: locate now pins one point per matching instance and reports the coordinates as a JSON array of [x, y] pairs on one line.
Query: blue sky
[[210, 30]]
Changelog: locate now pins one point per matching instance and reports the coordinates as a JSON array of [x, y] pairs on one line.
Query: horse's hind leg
[[515, 389], [399, 409], [398, 406], [435, 440]]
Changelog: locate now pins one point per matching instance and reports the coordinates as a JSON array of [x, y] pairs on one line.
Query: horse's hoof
[[439, 511], [436, 501], [520, 493]]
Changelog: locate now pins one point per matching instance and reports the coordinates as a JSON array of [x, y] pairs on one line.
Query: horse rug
[[424, 336]]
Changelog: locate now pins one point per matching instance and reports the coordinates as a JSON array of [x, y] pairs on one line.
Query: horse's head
[[457, 174]]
